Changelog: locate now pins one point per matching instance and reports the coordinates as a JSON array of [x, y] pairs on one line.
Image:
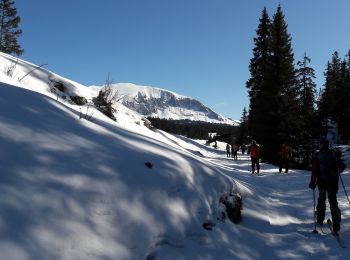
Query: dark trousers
[[331, 192], [255, 162], [235, 155], [284, 162]]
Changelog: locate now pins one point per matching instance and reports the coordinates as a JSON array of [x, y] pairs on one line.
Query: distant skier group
[[232, 151], [254, 152], [325, 174]]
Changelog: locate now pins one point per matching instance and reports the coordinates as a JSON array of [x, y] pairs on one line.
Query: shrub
[[80, 101], [105, 100]]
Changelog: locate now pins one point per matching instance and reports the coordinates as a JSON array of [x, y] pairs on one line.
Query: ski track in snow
[[75, 189], [281, 210]]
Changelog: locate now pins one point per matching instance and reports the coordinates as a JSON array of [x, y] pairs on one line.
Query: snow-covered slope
[[78, 189], [145, 101], [160, 103], [36, 77], [26, 75]]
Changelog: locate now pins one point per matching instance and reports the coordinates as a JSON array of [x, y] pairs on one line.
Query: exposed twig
[[38, 67]]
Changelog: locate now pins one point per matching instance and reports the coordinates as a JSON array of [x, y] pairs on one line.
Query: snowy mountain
[[160, 103], [77, 188]]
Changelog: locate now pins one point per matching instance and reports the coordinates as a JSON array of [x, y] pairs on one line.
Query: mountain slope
[[160, 103]]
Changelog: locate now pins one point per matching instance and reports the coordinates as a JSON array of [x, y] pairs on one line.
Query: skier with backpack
[[254, 151], [326, 169]]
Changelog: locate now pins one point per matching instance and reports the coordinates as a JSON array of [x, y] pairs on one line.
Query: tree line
[[192, 129], [334, 102], [284, 104]]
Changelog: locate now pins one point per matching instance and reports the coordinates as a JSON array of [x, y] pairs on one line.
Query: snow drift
[[75, 189]]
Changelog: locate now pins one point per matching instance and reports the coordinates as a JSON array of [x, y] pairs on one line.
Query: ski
[[335, 234], [321, 229]]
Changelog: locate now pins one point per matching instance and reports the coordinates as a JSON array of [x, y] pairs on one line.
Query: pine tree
[[307, 92], [342, 98], [259, 77], [274, 111], [324, 103], [284, 86], [346, 127], [281, 95], [9, 31], [328, 103], [334, 102], [243, 128]]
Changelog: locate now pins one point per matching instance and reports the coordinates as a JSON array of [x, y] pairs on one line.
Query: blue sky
[[197, 48]]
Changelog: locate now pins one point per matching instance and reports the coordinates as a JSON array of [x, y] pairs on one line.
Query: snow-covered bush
[[148, 124]]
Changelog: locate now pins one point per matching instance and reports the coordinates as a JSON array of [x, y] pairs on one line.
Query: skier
[[243, 148], [228, 148], [325, 174], [285, 154], [235, 151], [254, 152]]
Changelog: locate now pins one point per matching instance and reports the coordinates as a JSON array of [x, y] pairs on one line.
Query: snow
[[130, 89], [78, 189], [161, 103]]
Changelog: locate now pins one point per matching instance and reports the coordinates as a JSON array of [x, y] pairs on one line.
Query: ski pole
[[344, 188], [315, 230]]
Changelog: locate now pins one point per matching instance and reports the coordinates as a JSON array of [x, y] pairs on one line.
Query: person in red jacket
[[254, 151], [285, 154], [325, 174]]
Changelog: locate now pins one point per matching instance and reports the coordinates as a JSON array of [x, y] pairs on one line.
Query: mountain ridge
[[164, 104]]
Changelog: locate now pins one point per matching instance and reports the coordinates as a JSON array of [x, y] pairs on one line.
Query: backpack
[[254, 151], [327, 166], [285, 152]]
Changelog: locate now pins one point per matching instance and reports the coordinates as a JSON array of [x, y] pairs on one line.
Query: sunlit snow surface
[[77, 189]]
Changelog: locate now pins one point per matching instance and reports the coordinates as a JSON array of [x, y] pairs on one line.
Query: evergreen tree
[[307, 92], [324, 103], [346, 127], [9, 31], [243, 128], [274, 112], [342, 105], [328, 101], [259, 77], [334, 102], [284, 89]]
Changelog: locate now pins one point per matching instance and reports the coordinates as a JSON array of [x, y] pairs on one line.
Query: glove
[[312, 185]]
